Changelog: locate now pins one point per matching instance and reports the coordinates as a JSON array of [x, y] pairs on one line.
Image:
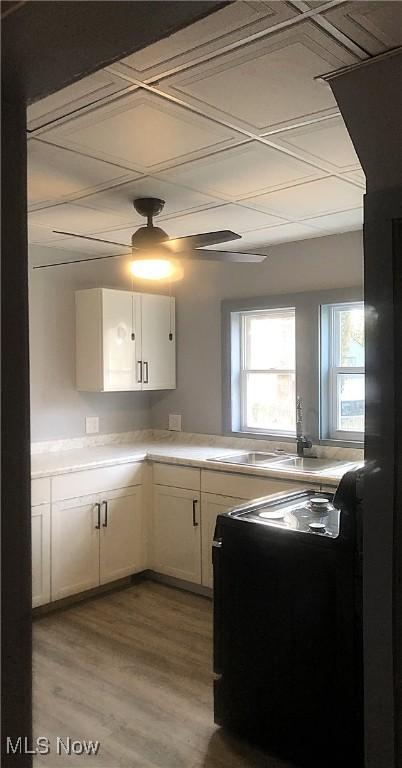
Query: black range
[[287, 625]]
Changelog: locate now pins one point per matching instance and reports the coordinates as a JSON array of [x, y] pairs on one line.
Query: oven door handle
[[218, 605]]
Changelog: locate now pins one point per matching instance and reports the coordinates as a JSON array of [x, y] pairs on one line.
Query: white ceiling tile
[[311, 199], [311, 4], [75, 96], [375, 26], [120, 234], [234, 217], [142, 131], [55, 174], [41, 235], [241, 171], [224, 27], [71, 217], [79, 245], [326, 141], [279, 234], [358, 175], [65, 252], [344, 221], [120, 198], [267, 83]]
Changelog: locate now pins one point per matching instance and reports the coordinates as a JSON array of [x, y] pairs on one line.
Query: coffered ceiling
[[226, 120]]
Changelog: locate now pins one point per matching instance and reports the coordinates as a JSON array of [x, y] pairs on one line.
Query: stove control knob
[[317, 527]]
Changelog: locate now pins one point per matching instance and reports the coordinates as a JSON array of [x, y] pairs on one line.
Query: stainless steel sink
[[279, 461], [251, 458], [309, 464]]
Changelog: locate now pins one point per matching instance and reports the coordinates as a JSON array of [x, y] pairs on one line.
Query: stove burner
[[317, 527], [319, 505], [275, 514]]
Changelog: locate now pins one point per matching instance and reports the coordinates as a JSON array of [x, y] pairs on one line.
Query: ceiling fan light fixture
[[152, 269], [154, 252]]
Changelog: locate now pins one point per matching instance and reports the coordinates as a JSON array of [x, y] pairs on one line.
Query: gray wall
[[57, 409], [325, 262]]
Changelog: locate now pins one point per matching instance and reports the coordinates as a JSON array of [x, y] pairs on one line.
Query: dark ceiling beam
[[49, 45]]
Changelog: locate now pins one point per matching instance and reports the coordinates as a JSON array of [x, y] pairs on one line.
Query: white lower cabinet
[[40, 522], [122, 535], [176, 533], [183, 528], [212, 505], [96, 539], [88, 536], [75, 546]]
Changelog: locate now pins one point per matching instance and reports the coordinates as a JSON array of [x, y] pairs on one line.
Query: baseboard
[[186, 586], [114, 586], [89, 594]]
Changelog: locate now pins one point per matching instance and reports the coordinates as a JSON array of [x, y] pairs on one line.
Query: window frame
[[334, 370], [310, 381], [245, 371]]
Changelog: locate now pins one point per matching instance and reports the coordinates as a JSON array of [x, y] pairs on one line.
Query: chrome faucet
[[302, 441]]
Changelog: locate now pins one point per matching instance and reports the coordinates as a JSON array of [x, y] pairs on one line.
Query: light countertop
[[90, 457]]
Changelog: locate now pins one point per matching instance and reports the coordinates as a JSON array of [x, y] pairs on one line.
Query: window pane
[[351, 337], [270, 401], [350, 399], [270, 340]]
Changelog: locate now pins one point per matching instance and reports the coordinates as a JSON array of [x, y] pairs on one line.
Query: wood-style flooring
[[133, 669]]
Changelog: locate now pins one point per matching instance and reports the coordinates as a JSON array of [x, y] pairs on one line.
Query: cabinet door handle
[[195, 523], [139, 372], [98, 509], [146, 369], [104, 524]]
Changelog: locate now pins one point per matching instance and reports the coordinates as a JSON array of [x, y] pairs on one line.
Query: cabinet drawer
[[244, 486], [75, 484], [40, 491], [178, 477]]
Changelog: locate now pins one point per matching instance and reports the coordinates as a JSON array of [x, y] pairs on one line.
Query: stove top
[[307, 512]]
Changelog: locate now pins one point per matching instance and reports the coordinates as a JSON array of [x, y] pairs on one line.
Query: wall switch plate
[[91, 425], [175, 422]]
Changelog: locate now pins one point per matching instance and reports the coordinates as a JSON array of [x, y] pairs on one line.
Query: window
[[309, 344], [267, 371], [343, 333]]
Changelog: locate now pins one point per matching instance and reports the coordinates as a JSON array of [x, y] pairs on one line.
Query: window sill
[[343, 443], [275, 437]]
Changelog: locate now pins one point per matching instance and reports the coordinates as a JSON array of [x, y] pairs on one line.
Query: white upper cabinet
[[158, 347], [125, 341], [121, 329]]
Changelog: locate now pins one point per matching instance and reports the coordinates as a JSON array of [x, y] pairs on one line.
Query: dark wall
[[369, 99], [45, 46], [15, 470]]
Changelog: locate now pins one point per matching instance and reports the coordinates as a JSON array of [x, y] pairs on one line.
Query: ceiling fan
[[151, 245]]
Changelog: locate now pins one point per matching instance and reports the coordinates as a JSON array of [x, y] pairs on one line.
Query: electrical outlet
[[91, 425], [175, 422]]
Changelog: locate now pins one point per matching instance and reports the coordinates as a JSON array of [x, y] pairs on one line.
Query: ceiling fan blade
[[233, 256], [81, 261], [180, 244], [87, 237]]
